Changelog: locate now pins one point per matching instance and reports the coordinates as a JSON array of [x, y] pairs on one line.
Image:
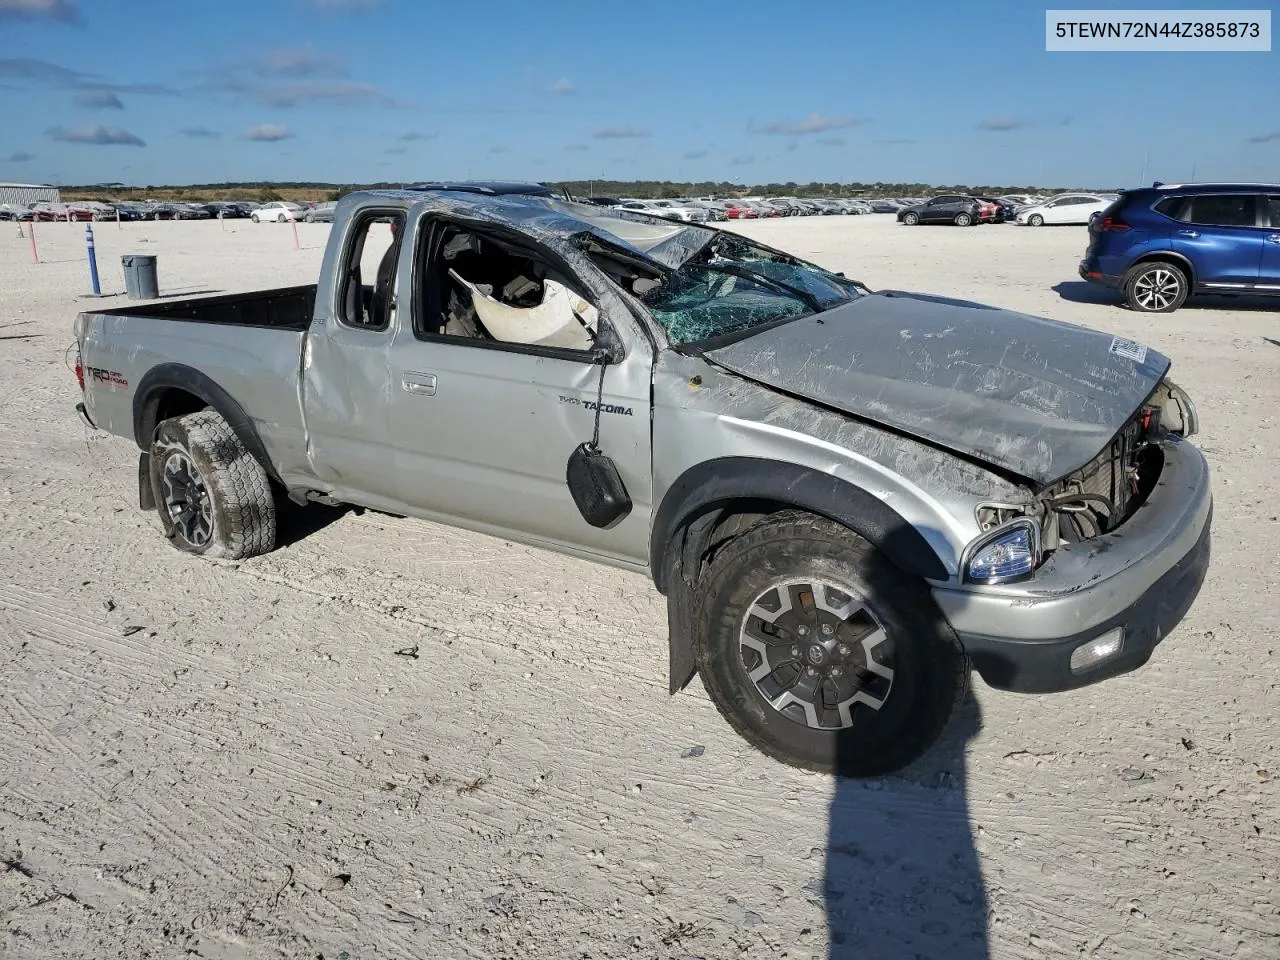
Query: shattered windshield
[[733, 285]]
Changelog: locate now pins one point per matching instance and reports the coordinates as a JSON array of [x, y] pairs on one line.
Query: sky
[[153, 92]]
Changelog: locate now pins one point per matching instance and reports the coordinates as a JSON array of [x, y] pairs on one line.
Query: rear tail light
[[1113, 223], [80, 375]]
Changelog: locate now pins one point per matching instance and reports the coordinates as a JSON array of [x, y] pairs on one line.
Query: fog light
[[1096, 650]]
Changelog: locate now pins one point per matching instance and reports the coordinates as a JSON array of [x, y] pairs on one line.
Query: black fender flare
[[702, 488], [178, 376], [728, 479]]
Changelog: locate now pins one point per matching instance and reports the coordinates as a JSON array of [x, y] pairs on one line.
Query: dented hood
[[1032, 396]]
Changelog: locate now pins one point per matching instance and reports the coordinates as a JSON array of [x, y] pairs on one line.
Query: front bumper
[[1142, 578]]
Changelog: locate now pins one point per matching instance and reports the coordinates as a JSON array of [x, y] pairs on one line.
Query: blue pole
[[93, 259]]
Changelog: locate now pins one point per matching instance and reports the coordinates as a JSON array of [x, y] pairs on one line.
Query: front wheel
[[963, 220], [1158, 287], [821, 653], [1036, 220], [255, 218], [910, 219], [213, 497]]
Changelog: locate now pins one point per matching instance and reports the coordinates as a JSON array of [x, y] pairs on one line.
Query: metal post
[[118, 218], [31, 232], [294, 224], [93, 259]]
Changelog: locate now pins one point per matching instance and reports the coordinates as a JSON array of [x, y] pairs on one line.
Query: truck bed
[[285, 308]]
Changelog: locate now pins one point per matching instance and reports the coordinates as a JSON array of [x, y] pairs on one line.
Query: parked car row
[[960, 209], [965, 210], [712, 209], [129, 211]]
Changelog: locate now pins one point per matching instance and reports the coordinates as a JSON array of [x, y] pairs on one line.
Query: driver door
[[484, 428]]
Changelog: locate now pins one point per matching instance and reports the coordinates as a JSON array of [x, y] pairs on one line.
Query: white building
[[28, 193]]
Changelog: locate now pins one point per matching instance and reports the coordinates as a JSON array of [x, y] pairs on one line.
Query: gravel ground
[[393, 739]]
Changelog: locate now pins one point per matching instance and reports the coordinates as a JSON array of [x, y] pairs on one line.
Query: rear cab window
[[369, 269]]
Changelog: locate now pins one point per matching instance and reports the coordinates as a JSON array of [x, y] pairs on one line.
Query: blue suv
[[1163, 243]]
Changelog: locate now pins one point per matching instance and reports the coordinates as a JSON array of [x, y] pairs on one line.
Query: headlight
[[1009, 552]]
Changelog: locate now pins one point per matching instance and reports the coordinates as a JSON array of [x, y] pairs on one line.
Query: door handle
[[423, 384], [1188, 233]]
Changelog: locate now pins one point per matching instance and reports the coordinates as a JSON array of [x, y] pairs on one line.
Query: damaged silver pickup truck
[[847, 497]]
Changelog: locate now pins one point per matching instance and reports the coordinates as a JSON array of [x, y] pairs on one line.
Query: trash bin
[[140, 281]]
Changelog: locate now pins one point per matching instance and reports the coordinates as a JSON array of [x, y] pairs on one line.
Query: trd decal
[[98, 375]]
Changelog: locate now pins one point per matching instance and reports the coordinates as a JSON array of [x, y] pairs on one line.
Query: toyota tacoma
[[848, 497]]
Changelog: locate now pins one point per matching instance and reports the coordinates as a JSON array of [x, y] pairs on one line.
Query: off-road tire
[[931, 671], [241, 502], [911, 219], [964, 220], [1156, 287]]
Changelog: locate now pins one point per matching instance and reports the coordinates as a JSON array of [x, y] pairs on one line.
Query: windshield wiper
[[777, 286]]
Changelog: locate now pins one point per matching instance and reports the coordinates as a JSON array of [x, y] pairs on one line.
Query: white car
[[279, 211], [1068, 208], [668, 209]]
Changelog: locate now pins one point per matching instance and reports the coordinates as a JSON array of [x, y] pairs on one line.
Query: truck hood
[[1034, 397]]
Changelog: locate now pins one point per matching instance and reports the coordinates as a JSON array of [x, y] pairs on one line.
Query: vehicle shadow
[[1077, 291], [903, 878], [295, 523]]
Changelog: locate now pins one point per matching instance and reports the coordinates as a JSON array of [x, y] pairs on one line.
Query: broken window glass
[[733, 285]]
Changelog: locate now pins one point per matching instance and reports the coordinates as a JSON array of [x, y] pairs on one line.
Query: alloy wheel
[[1156, 289], [815, 652], [186, 498]]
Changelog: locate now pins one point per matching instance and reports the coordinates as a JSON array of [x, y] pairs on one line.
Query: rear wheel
[[910, 219], [821, 653], [1157, 287], [963, 220], [213, 497]]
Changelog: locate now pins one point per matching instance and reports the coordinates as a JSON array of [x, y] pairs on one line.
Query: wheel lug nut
[[827, 629], [836, 671], [843, 650], [795, 651], [802, 630], [811, 672]]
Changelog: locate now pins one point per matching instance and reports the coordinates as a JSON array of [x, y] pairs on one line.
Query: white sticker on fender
[[1131, 349]]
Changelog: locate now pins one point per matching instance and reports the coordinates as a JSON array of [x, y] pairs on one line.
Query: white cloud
[[63, 11], [814, 123], [267, 133], [98, 135]]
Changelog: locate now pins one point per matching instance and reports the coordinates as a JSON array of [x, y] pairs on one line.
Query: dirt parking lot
[[391, 739]]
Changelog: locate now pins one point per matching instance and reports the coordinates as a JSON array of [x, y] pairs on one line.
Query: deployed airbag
[[562, 319]]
